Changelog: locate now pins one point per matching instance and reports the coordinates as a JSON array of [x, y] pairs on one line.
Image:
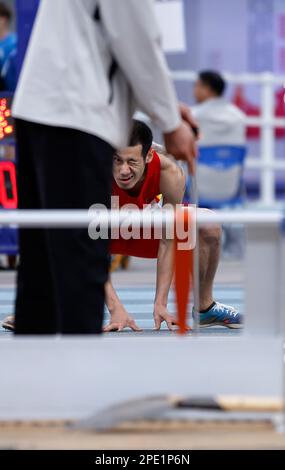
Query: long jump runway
[[136, 291]]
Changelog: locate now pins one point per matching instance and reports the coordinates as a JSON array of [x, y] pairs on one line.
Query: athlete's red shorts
[[140, 248]]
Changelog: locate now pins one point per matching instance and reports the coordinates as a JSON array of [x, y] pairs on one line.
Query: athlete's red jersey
[[148, 194]]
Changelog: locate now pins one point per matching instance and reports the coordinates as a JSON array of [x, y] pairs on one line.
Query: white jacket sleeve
[[134, 39]]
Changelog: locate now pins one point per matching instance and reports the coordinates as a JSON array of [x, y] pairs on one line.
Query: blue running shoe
[[221, 315]]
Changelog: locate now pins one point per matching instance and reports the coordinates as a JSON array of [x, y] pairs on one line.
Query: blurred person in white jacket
[[89, 65], [220, 123]]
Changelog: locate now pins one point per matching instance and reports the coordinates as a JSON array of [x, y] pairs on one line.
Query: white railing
[[267, 163], [137, 218]]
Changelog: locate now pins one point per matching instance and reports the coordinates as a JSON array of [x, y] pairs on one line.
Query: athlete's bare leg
[[209, 255]]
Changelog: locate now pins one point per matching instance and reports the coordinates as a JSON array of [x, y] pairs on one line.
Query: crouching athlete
[[139, 176]]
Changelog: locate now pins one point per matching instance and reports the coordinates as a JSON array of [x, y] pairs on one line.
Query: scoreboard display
[[8, 185], [7, 126]]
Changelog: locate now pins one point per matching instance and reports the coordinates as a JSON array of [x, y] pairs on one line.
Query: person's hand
[[160, 315], [181, 143], [120, 319], [186, 115]]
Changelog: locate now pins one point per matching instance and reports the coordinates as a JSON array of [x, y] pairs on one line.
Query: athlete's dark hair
[[214, 81], [5, 11], [141, 134]]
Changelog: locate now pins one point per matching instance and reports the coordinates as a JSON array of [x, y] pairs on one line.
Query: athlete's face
[[129, 167]]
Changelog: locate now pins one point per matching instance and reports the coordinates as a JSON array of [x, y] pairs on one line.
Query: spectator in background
[[220, 123], [8, 50], [8, 39]]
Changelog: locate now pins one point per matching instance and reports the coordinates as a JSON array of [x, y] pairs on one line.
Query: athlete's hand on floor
[[160, 315], [120, 319]]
